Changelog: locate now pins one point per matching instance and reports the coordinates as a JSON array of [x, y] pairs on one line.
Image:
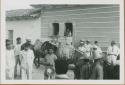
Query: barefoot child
[[50, 65]]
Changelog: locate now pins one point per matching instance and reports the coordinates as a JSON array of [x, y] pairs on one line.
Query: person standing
[[17, 50], [97, 68], [110, 65], [50, 59], [27, 57], [10, 60], [79, 58], [88, 49], [112, 53]]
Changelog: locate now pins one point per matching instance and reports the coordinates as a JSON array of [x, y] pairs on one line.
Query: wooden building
[[88, 22]]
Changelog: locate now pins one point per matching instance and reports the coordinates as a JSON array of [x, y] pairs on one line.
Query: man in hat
[[112, 53], [85, 67], [81, 53], [28, 41], [97, 69]]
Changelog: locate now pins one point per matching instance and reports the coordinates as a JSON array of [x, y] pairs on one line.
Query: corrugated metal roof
[[23, 13]]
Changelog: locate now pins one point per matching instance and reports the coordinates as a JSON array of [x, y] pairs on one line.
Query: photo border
[[2, 18]]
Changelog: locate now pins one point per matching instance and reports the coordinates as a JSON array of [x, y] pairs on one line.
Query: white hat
[[28, 38]]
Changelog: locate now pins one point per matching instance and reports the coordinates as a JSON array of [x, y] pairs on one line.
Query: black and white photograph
[[62, 41]]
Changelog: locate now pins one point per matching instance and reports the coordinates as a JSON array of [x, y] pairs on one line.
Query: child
[[26, 56], [50, 65], [10, 60]]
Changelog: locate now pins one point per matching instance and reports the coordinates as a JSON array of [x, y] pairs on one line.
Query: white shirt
[[50, 58], [17, 49], [10, 59], [69, 40], [82, 48], [85, 51], [113, 50], [27, 58], [88, 49]]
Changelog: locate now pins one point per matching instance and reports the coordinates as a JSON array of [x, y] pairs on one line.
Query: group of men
[[88, 66]]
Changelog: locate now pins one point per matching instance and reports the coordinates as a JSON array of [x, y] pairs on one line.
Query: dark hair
[[61, 66], [27, 45], [96, 42], [18, 38], [7, 40]]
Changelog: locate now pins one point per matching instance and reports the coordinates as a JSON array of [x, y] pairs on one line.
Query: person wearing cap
[[10, 60], [97, 68], [112, 53]]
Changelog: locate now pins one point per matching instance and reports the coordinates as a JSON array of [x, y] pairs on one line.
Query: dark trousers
[[111, 72]]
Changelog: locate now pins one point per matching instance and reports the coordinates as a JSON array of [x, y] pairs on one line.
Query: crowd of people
[[62, 60]]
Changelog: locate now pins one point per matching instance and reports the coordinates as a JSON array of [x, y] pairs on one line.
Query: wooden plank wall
[[92, 23]]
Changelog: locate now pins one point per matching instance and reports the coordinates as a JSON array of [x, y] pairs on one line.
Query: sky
[[20, 4]]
